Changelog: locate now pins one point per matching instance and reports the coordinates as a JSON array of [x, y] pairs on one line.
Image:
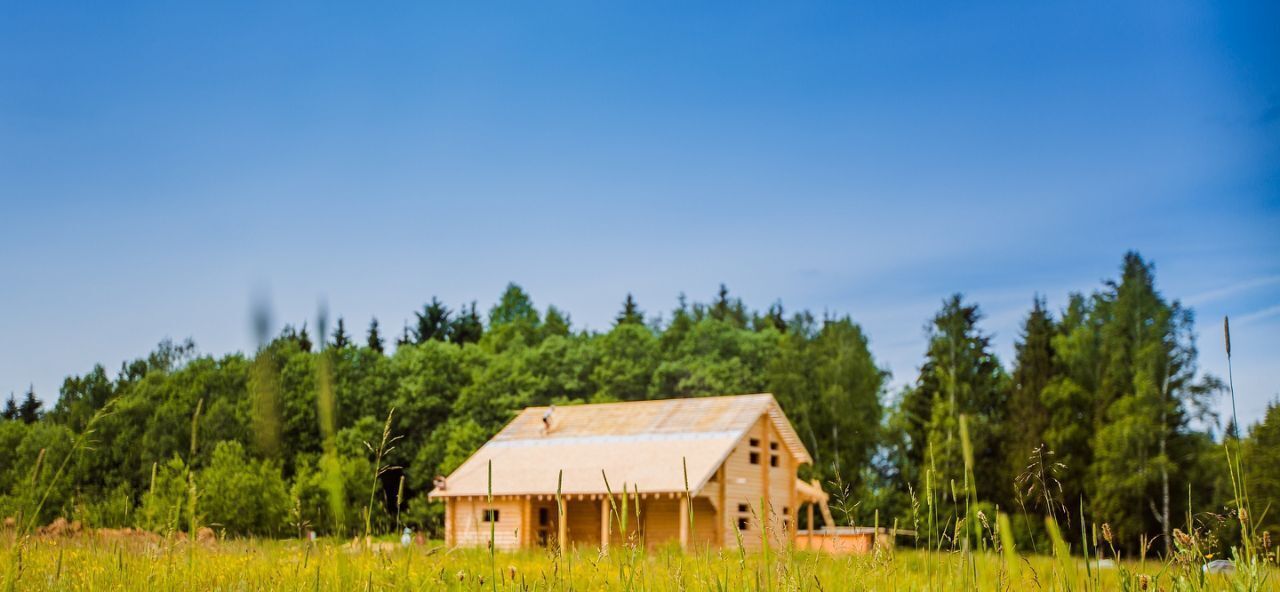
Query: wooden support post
[[449, 522], [562, 528], [451, 533], [604, 525], [684, 524], [526, 521], [721, 528], [810, 536]]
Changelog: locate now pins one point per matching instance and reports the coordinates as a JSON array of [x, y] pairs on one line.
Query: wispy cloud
[[1232, 290], [1258, 315]]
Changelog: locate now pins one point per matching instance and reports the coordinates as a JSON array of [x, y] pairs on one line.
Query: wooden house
[[731, 461]]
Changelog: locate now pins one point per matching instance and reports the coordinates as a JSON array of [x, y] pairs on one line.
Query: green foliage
[[1262, 470], [165, 500], [1106, 390], [374, 339], [243, 496], [960, 376], [1033, 370], [29, 411]]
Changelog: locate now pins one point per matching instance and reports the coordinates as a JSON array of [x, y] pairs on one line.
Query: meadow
[[92, 563]]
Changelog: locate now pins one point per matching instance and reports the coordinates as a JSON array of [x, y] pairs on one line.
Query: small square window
[[755, 458], [490, 516], [742, 508], [773, 446], [743, 522], [785, 510], [755, 442], [773, 460]]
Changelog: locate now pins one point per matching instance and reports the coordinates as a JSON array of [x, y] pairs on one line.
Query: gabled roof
[[645, 444]]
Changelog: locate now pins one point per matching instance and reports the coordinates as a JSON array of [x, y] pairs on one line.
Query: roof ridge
[[641, 401]]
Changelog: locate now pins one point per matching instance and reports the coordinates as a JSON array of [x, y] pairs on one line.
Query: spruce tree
[[729, 310], [962, 376], [630, 312], [374, 339], [1032, 371], [467, 328], [1071, 395], [304, 339], [433, 322], [30, 409], [1148, 392], [340, 337], [10, 409]]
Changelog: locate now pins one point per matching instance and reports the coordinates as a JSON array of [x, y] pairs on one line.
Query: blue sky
[[160, 165]]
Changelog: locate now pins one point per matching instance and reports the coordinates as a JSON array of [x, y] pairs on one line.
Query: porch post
[[684, 523], [604, 524], [809, 542], [562, 527]]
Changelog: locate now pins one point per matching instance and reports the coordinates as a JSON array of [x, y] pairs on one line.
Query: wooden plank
[[449, 519], [604, 525], [562, 527], [809, 542], [722, 512], [684, 524], [526, 522]]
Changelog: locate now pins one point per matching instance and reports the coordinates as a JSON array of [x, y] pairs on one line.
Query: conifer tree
[[467, 328], [1262, 468], [961, 376], [433, 322], [1071, 395], [340, 337], [10, 409], [630, 312], [374, 341], [555, 323], [1148, 394], [304, 339], [730, 310], [30, 409], [1032, 371]]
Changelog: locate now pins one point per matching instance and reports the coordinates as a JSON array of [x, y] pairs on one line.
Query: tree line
[[1102, 414]]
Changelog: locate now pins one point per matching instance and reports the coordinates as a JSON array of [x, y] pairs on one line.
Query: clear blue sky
[[159, 165]]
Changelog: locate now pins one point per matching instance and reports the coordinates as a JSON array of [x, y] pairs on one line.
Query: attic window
[[755, 458], [773, 460], [742, 508], [755, 442], [490, 515], [785, 510], [773, 446]]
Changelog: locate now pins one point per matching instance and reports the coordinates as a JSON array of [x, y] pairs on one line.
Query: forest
[[1102, 415]]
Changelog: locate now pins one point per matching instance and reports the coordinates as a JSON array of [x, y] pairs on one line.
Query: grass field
[[88, 563]]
